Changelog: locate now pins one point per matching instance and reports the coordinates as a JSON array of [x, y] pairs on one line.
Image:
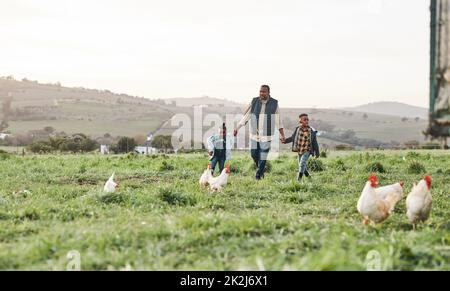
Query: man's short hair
[[266, 86], [303, 115]]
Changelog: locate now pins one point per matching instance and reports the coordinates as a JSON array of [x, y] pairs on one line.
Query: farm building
[[3, 136], [144, 150]]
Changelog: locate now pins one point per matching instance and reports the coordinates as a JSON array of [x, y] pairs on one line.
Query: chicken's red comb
[[402, 183], [373, 181], [428, 180]]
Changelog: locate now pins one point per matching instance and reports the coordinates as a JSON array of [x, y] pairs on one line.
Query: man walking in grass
[[304, 142], [264, 114]]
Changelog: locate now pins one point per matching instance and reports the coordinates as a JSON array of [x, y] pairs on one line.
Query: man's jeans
[[303, 162], [218, 160], [260, 152]]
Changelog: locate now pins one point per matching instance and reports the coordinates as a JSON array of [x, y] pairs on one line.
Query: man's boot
[[299, 177]]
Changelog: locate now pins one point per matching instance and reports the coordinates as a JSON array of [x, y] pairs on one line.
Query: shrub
[[339, 165], [4, 155], [64, 144], [175, 198], [292, 187], [412, 155], [40, 147], [165, 167], [113, 198], [416, 168], [235, 170], [316, 165], [376, 167]]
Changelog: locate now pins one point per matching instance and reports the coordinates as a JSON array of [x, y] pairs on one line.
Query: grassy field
[[161, 220]]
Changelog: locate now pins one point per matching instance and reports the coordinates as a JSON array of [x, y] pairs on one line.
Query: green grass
[[161, 220]]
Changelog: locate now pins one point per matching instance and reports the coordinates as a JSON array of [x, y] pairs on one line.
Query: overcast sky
[[324, 53]]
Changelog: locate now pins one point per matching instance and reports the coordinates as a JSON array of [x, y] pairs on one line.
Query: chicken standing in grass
[[110, 185], [419, 202], [206, 177], [374, 208], [217, 184], [383, 192]]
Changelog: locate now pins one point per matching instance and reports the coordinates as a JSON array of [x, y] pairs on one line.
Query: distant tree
[[417, 119], [70, 146], [404, 119], [57, 142], [365, 116], [40, 147], [125, 145], [88, 145], [162, 142]]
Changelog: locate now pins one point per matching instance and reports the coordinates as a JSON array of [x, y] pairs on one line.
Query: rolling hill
[[98, 112], [392, 109]]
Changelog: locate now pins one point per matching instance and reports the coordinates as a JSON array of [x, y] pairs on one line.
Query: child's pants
[[303, 162], [218, 160]]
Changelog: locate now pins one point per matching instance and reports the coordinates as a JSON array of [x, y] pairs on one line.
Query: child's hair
[[303, 115]]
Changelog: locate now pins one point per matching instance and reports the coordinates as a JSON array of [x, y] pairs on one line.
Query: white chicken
[[383, 192], [374, 208], [419, 201], [207, 175], [110, 185], [217, 184]]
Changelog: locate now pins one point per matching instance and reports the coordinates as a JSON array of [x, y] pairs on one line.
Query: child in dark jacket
[[304, 142]]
